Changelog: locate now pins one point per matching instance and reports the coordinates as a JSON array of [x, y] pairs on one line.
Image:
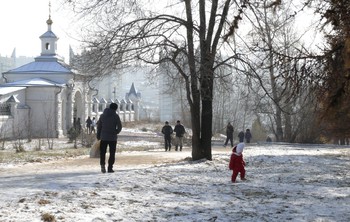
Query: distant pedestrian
[[167, 130], [88, 124], [179, 129], [93, 125], [268, 139], [108, 128], [241, 136], [229, 134], [237, 163], [247, 136]]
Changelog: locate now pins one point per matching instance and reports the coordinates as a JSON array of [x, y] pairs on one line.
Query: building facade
[[41, 98], [45, 98]]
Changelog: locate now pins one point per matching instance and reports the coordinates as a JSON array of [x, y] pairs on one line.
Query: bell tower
[[48, 39]]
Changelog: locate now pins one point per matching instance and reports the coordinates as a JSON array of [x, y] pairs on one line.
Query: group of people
[[241, 135], [90, 125], [179, 130], [109, 126], [236, 164]]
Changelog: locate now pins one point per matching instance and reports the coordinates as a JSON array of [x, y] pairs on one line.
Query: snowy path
[[285, 183]]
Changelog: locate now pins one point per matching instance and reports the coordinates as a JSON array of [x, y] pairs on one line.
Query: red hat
[[234, 149]]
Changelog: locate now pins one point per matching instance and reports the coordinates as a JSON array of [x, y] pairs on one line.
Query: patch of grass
[[43, 202], [8, 156], [48, 217]]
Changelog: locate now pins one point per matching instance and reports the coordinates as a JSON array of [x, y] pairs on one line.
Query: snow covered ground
[[286, 182]]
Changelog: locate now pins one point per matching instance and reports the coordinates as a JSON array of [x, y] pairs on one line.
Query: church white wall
[[34, 115], [42, 105], [6, 123], [15, 126]]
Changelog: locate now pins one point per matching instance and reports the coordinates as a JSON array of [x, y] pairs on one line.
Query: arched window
[[47, 46]]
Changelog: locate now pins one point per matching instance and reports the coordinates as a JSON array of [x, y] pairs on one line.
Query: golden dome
[[49, 21]]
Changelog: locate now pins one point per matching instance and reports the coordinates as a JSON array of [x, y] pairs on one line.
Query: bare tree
[[18, 133], [281, 68], [188, 34], [49, 124]]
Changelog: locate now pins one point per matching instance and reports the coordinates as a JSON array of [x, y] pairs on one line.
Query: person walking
[[179, 130], [248, 136], [108, 128], [88, 125], [229, 134], [167, 130], [93, 125], [241, 136]]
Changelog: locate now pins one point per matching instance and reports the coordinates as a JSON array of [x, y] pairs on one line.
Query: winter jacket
[[179, 130], [236, 162], [109, 125], [248, 135], [167, 130], [88, 122], [241, 136], [229, 130]]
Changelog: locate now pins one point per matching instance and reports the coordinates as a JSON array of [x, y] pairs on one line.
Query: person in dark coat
[[167, 130], [248, 136], [88, 124], [241, 136], [268, 139], [93, 125], [179, 129], [108, 127], [229, 134]]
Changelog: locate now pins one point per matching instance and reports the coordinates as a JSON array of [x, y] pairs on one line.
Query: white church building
[[44, 97]]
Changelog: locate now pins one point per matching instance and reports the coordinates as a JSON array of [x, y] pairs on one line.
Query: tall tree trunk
[[207, 112], [196, 133]]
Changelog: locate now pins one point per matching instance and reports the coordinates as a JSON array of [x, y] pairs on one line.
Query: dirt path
[[85, 163]]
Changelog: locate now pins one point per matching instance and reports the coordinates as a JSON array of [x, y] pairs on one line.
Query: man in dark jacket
[[108, 127], [167, 130], [248, 135], [229, 134], [241, 136], [180, 131]]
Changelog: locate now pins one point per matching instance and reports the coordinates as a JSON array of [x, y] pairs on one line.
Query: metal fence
[[5, 109]]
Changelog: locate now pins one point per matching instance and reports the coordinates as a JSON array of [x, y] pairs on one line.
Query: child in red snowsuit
[[237, 163]]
